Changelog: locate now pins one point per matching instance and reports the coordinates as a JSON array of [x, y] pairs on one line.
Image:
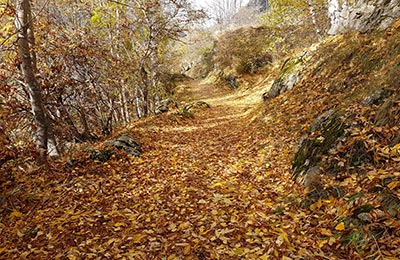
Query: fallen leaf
[[340, 226]]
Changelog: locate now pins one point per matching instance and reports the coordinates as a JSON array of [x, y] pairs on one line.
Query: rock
[[232, 81], [128, 144], [384, 114], [259, 5], [377, 97], [322, 121], [362, 209], [161, 109], [367, 15], [196, 105], [364, 217], [312, 178], [166, 105], [70, 163], [329, 127], [391, 203], [289, 75], [100, 155]]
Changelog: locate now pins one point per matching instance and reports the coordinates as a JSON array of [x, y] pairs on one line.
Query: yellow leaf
[[325, 232], [186, 250], [264, 257], [184, 225], [302, 252], [119, 224], [95, 199], [340, 226], [138, 238], [238, 251], [16, 214], [393, 185], [112, 240], [332, 241], [316, 205], [173, 160], [217, 184], [321, 243]]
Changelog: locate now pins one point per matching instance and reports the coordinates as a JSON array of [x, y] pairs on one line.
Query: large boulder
[[289, 75], [320, 138], [128, 144], [258, 5], [166, 105], [232, 81], [95, 155], [367, 15], [196, 105], [377, 97]]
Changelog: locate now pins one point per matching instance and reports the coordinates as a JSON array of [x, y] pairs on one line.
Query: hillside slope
[[215, 183]]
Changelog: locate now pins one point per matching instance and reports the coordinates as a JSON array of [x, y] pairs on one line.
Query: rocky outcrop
[[377, 97], [289, 75], [367, 15], [196, 105], [259, 5], [232, 81], [165, 106], [322, 135], [95, 155], [127, 143]]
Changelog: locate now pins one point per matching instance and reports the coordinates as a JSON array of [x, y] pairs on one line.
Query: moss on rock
[[322, 135]]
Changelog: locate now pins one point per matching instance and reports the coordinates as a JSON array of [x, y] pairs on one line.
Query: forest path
[[209, 187], [202, 189]]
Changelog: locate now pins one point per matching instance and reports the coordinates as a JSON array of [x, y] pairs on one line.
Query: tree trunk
[[333, 13], [314, 18], [28, 67]]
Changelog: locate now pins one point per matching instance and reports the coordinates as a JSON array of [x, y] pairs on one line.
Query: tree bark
[[23, 24]]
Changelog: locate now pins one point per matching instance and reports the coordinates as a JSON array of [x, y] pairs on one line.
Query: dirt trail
[[202, 190]]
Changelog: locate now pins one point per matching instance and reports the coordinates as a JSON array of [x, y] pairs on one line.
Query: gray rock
[[384, 114], [196, 105], [312, 178], [100, 155], [289, 75], [322, 121], [367, 15], [310, 149], [232, 81], [391, 203], [166, 105], [377, 97], [259, 5], [364, 217], [128, 144]]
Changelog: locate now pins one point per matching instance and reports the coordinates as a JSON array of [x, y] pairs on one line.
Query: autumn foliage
[[214, 182]]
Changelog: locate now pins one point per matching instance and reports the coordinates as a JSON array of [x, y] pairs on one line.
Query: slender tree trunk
[[313, 18], [138, 103], [125, 109], [145, 91], [333, 13], [23, 24]]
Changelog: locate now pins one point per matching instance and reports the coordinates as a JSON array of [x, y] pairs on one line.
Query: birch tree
[[313, 17], [43, 134], [333, 12]]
